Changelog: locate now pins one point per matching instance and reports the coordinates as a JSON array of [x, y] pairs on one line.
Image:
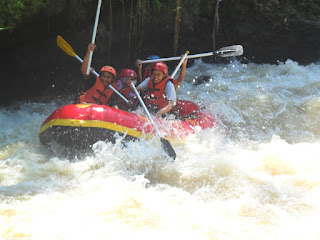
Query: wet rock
[[201, 79]]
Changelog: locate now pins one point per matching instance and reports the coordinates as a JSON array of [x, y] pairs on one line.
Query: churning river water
[[256, 175]]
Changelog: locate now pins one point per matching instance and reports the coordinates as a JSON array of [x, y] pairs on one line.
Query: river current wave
[[255, 175]]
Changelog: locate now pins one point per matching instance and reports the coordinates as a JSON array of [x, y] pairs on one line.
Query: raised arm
[[84, 65], [182, 74], [139, 72]]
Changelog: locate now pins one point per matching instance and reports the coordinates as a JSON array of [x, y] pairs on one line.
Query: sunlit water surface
[[256, 175]]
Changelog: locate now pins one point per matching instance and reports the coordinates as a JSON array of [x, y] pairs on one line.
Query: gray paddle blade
[[168, 148], [231, 51]]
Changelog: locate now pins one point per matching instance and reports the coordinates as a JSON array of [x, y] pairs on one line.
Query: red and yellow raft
[[78, 126]]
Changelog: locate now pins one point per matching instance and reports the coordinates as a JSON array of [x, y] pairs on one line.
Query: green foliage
[[311, 7], [155, 4], [14, 12]]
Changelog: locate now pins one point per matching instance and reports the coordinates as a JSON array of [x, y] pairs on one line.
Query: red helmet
[[127, 72], [109, 69], [161, 67]]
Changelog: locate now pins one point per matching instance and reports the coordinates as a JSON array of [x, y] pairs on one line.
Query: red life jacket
[[121, 103], [98, 94], [125, 92], [155, 97]]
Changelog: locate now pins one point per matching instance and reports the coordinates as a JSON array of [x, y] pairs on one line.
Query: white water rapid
[[256, 175]]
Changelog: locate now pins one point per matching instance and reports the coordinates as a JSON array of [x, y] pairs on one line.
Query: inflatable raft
[[76, 127]]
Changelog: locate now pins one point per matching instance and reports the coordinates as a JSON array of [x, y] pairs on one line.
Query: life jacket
[[155, 97], [120, 102], [125, 92], [98, 94]]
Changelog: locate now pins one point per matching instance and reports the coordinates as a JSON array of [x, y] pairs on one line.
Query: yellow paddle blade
[[65, 46]]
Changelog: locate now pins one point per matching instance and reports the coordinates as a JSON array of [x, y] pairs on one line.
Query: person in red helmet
[[160, 96], [100, 93], [127, 76], [147, 72]]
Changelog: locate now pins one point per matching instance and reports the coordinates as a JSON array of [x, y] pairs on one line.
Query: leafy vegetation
[[14, 12], [19, 12], [133, 17]]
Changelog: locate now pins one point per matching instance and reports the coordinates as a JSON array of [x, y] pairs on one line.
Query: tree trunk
[[216, 22], [130, 30], [110, 31], [176, 29]]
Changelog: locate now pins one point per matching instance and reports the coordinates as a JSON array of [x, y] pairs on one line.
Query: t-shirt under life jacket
[[98, 94], [155, 97]]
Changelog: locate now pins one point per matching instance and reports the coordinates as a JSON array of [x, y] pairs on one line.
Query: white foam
[[254, 176]]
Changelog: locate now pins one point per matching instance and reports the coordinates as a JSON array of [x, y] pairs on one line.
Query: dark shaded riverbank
[[33, 66]]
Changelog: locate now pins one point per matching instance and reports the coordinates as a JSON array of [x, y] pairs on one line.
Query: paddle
[[231, 51], [165, 143], [94, 34], [68, 49], [179, 64], [167, 147]]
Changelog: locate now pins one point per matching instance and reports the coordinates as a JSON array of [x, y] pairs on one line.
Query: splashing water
[[256, 175]]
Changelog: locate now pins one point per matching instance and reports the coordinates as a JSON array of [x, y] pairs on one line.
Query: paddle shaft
[[68, 49], [177, 58], [113, 89], [141, 101], [145, 109], [172, 76], [234, 50], [94, 35], [165, 143], [180, 63]]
